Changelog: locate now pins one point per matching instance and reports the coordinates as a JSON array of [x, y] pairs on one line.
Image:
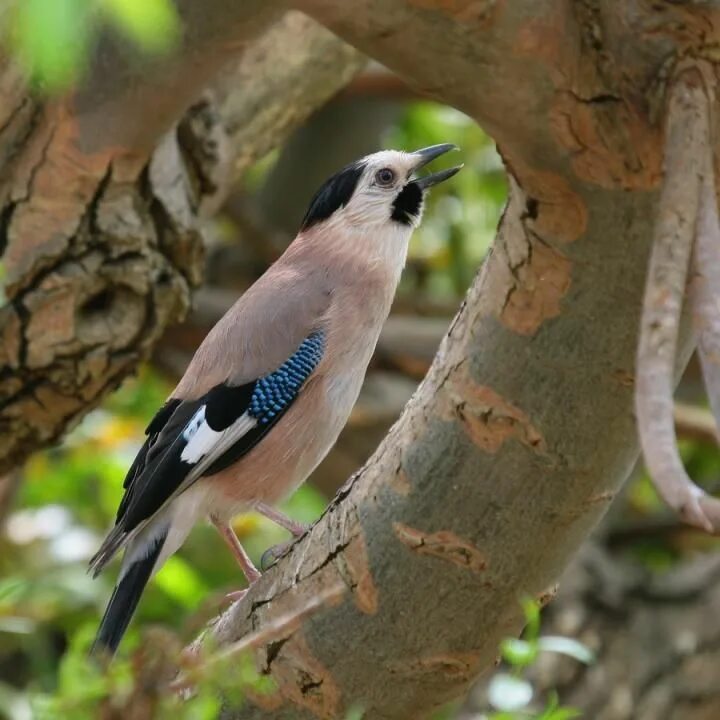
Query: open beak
[[427, 155]]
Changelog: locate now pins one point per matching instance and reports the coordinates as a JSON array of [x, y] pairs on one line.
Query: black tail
[[124, 600]]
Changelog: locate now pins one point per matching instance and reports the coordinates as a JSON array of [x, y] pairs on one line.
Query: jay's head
[[379, 191]]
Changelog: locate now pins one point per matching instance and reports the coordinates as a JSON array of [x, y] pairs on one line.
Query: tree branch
[[695, 423], [101, 242], [283, 77], [705, 295], [478, 496], [494, 474]]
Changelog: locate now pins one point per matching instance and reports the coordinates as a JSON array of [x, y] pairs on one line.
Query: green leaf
[[179, 580], [531, 610], [518, 653], [12, 589], [50, 39], [201, 706], [355, 713], [153, 24], [567, 646], [509, 693], [553, 711], [565, 713]]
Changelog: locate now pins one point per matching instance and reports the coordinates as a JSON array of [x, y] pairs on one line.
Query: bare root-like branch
[[686, 146], [705, 296]]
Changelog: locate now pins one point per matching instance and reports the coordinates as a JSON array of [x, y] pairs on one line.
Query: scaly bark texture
[[523, 430], [101, 241]]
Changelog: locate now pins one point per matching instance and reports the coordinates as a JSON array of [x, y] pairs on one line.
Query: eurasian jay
[[269, 389]]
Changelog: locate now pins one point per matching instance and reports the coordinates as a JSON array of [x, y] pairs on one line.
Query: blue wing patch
[[275, 392], [159, 468]]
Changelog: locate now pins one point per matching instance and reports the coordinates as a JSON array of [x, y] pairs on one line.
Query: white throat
[[375, 246]]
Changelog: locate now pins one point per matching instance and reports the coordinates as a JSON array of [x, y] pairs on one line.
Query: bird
[[269, 389]]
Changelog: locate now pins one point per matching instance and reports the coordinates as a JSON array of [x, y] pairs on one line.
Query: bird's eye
[[385, 177]]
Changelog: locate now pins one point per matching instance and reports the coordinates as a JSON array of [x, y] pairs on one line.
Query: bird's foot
[[274, 553]]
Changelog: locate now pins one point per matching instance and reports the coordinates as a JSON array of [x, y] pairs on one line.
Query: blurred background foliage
[[53, 40], [49, 606]]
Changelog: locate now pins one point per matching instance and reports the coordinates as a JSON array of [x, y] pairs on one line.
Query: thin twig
[[276, 629], [695, 423], [686, 146], [9, 485]]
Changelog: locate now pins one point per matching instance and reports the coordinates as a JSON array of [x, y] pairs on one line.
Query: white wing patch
[[200, 438], [194, 424], [203, 441]]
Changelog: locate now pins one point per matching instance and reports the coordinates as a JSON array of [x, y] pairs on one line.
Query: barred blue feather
[[276, 391]]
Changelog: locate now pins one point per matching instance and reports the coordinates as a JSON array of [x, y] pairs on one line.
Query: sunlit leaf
[[181, 582], [201, 706], [50, 38], [355, 713], [152, 24], [79, 677], [12, 589], [567, 646], [553, 711], [531, 610], [246, 523], [518, 652], [562, 713], [509, 693]]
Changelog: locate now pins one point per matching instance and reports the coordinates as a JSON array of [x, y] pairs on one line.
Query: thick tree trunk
[[101, 241], [521, 434]]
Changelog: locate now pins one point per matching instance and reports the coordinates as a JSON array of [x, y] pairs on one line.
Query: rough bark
[[523, 430], [101, 241]]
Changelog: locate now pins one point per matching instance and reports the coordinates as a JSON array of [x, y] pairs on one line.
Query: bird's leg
[[295, 528], [246, 564]]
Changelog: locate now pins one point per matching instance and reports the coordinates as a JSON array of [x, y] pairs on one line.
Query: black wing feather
[[162, 471], [159, 471], [124, 601]]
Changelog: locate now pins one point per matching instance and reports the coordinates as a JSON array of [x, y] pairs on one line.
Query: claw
[[274, 553]]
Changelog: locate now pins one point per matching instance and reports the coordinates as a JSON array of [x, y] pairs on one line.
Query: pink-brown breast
[[292, 449]]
